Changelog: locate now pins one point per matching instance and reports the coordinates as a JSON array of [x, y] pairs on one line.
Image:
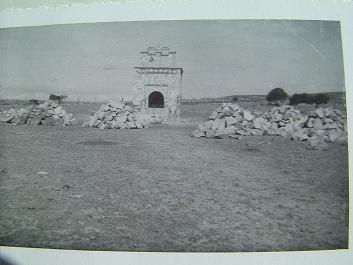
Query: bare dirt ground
[[159, 189]]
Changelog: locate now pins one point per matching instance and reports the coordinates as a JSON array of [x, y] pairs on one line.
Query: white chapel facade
[[158, 82]]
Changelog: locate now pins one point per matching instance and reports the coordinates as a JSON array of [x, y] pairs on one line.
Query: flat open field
[[158, 189]]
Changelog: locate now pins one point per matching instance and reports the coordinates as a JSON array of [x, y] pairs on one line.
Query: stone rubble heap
[[47, 114], [324, 125], [118, 116], [283, 120], [320, 127], [229, 119]]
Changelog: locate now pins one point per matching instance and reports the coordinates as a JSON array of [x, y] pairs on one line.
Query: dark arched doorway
[[156, 100]]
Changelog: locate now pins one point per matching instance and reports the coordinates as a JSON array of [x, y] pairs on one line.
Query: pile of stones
[[47, 114], [324, 125], [229, 119], [117, 116], [282, 120], [319, 127]]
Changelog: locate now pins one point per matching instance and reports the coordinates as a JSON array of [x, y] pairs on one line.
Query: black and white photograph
[[174, 136]]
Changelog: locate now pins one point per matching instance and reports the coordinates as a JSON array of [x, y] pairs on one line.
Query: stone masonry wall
[[164, 80]]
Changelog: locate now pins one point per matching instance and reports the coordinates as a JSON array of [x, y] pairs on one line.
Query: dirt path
[[159, 189]]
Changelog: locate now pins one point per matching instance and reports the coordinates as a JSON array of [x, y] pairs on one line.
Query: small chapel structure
[[158, 82]]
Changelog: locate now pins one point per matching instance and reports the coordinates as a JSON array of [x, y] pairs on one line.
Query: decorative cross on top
[[158, 57]]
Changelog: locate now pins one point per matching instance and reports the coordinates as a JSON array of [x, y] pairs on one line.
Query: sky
[[95, 61]]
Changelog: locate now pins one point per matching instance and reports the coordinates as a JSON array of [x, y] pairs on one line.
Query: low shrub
[[321, 99], [276, 94], [309, 99], [235, 99]]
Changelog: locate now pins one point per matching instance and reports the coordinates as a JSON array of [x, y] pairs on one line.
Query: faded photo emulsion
[[174, 136]]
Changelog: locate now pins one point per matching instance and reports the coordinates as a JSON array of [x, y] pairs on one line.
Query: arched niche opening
[[156, 100]]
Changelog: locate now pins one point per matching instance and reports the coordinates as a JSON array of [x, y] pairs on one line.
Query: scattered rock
[[47, 114], [235, 136], [198, 133], [260, 123], [50, 121], [247, 115], [299, 135], [227, 120], [317, 143], [119, 116], [320, 127]]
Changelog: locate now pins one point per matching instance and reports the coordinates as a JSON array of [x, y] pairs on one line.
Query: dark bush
[[235, 99], [300, 98], [321, 98], [276, 94], [54, 97], [59, 98], [34, 102], [308, 99]]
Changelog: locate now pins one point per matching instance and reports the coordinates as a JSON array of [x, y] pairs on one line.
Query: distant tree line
[[33, 101], [309, 99], [278, 94], [59, 98]]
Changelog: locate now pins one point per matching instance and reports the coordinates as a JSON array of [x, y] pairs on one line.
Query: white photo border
[[139, 10]]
